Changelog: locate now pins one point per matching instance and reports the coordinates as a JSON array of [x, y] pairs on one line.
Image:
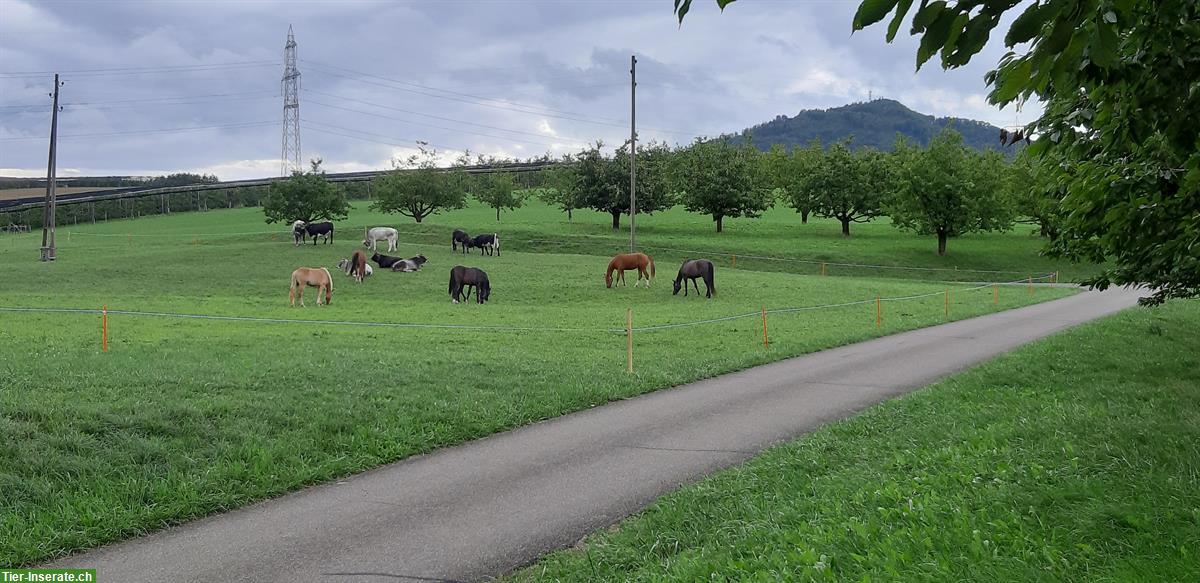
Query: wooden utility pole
[[48, 248], [632, 153]]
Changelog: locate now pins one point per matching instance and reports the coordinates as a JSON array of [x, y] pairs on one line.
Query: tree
[[948, 190], [306, 196], [784, 174], [603, 182], [1036, 190], [846, 185], [560, 188], [422, 188], [499, 191], [719, 179]]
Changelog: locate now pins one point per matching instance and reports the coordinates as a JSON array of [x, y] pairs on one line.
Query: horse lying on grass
[[693, 269], [468, 277], [344, 265], [639, 261], [317, 277]]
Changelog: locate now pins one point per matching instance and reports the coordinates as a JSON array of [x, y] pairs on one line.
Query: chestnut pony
[[317, 277], [639, 261]]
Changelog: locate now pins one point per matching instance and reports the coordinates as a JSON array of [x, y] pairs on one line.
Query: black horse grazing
[[302, 230], [386, 261], [487, 243], [460, 237], [468, 277], [692, 269]]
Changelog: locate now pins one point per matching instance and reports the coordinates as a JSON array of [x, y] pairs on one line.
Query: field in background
[[184, 417], [1073, 459], [11, 193]]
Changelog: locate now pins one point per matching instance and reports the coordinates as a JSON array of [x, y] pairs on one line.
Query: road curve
[[483, 508]]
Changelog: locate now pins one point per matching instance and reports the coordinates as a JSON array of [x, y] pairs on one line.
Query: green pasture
[[1076, 458], [185, 417]]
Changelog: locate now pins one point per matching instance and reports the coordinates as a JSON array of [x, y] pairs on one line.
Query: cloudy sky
[[153, 87]]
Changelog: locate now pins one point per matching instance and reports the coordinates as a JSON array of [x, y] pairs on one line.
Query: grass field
[[184, 417], [1073, 459]]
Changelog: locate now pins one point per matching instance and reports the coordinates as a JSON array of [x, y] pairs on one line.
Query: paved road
[[478, 510]]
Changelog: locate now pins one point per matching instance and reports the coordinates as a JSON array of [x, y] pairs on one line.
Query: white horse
[[376, 234]]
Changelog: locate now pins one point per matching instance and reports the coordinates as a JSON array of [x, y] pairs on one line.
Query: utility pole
[[290, 159], [48, 247], [632, 153]]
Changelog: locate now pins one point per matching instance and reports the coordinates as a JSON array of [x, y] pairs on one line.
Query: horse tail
[[651, 260], [328, 287]]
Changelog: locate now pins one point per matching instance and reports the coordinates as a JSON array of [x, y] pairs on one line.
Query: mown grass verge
[[1076, 458]]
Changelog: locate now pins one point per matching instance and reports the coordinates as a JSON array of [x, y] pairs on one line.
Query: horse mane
[[330, 278]]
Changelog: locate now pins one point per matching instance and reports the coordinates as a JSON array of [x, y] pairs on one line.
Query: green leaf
[[870, 12], [681, 8], [1027, 25], [1012, 80], [723, 3], [901, 11], [935, 36], [926, 15], [1104, 46]]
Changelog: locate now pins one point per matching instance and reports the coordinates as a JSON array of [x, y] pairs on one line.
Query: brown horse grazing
[[693, 269], [639, 261], [317, 277]]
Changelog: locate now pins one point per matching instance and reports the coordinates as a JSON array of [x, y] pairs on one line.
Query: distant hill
[[872, 123]]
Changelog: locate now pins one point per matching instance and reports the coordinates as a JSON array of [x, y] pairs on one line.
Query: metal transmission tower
[[290, 160]]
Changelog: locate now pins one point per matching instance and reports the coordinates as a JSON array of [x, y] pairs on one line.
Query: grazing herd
[[463, 280]]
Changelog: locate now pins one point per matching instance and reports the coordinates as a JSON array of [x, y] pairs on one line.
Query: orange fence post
[[995, 294], [129, 237], [1055, 280], [766, 344], [735, 261], [629, 340], [947, 302], [878, 312], [1031, 285], [824, 271], [104, 329]]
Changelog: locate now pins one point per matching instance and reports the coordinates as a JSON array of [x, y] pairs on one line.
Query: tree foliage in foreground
[[419, 188], [306, 196], [948, 190], [1120, 80]]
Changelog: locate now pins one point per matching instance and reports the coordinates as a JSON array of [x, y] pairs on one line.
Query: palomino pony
[[317, 277], [693, 269], [639, 261]]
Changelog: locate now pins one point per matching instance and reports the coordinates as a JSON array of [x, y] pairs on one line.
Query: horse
[[409, 265], [317, 277], [487, 243], [693, 269], [302, 230], [377, 234], [345, 264], [639, 261], [467, 277], [357, 267], [460, 237], [386, 261]]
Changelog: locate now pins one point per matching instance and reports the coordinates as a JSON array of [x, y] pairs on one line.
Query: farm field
[[185, 417], [779, 233], [1072, 459]]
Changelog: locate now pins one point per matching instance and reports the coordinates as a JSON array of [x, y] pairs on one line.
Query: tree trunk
[[804, 216], [845, 227], [941, 233], [418, 217], [616, 215], [497, 214], [568, 215], [720, 222]]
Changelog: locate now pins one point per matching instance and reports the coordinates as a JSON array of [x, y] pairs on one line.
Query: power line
[[355, 134], [173, 100], [143, 70], [151, 131], [323, 104]]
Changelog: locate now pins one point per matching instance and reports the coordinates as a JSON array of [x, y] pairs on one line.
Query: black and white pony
[[302, 230], [409, 265], [487, 243], [464, 278]]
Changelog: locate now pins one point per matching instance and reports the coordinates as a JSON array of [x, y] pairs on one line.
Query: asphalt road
[[481, 509]]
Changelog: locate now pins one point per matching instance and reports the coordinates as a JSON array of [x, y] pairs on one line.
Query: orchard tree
[[1117, 78], [1036, 189], [419, 188], [785, 173], [721, 180], [560, 188], [306, 196], [499, 191], [603, 182], [849, 186], [948, 189]]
